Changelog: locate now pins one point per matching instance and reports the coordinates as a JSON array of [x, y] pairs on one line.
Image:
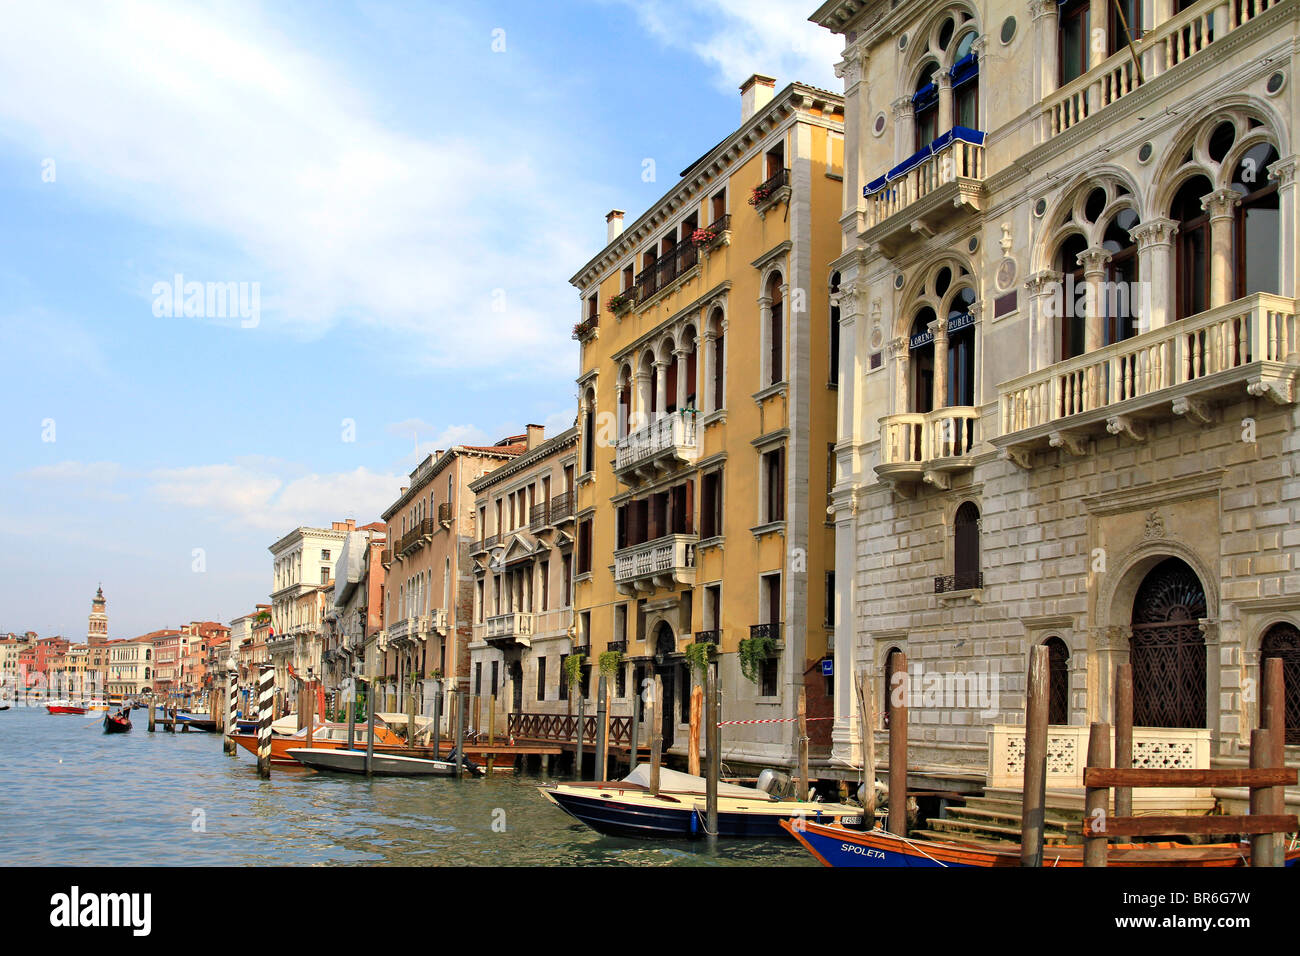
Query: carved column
[[622, 417], [705, 367], [680, 397], [898, 354], [944, 81], [640, 410], [661, 387], [1221, 205], [1155, 242], [1284, 172], [767, 374], [1046, 301], [1047, 46], [904, 128], [939, 392], [1094, 261]]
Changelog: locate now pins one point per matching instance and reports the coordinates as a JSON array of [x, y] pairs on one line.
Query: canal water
[[70, 795]]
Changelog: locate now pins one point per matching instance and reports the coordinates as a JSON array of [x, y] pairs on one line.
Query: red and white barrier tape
[[773, 720]]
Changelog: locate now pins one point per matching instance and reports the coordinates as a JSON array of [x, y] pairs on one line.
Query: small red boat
[[65, 709]]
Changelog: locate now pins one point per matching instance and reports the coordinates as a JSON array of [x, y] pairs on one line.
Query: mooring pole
[[656, 734], [867, 725], [1261, 798], [1096, 799], [350, 698], [582, 728], [460, 733], [153, 708], [410, 718], [802, 714], [437, 717], [1124, 735], [265, 701], [232, 701], [713, 750], [898, 748], [370, 729], [1272, 714], [1033, 798], [696, 718], [635, 737], [602, 728]]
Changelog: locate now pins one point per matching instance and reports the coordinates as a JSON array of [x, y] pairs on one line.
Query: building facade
[[1067, 395], [707, 417], [97, 622], [131, 667], [523, 609], [356, 612]]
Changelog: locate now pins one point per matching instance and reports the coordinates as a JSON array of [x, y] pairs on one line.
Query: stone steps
[[997, 820]]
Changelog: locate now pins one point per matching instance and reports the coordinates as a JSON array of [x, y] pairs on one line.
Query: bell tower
[[97, 628]]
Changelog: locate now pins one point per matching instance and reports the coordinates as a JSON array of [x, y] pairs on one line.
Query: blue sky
[[409, 204]]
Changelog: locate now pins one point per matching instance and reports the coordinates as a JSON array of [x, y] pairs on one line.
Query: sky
[[258, 260]]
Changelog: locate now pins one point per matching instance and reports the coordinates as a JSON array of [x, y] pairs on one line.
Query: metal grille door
[[1168, 649]]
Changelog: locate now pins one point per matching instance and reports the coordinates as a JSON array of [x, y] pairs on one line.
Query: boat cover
[[674, 781]]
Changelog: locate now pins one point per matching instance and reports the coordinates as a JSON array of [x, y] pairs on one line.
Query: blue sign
[[828, 667]]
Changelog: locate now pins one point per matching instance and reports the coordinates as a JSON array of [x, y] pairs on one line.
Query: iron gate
[[1168, 649]]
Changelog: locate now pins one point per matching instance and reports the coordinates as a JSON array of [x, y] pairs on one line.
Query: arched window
[[1058, 681], [1192, 264], [719, 365], [961, 349], [966, 83], [775, 331], [589, 433], [624, 401], [893, 664], [966, 548], [691, 344], [1122, 277], [925, 105], [1282, 640], [1073, 319], [1257, 226], [921, 344], [1073, 17], [1167, 648], [834, 332]]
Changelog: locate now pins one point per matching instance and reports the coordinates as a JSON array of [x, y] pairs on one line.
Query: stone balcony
[[504, 630], [664, 562], [407, 631], [1247, 347], [928, 447], [666, 443], [926, 192]]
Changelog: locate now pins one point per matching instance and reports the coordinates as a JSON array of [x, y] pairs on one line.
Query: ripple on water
[[177, 799]]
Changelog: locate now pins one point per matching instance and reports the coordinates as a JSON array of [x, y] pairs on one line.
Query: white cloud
[[742, 37], [195, 119]]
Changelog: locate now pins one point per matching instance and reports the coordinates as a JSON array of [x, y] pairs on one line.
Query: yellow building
[[707, 426]]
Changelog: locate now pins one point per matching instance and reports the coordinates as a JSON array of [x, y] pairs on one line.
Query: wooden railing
[[564, 728], [1259, 327]]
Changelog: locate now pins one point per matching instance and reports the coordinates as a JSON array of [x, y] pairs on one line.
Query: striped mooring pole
[[265, 701], [232, 705]]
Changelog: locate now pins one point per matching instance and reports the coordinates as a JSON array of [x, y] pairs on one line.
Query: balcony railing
[[661, 563], [646, 282], [1250, 342], [444, 512], [950, 172], [619, 646], [667, 440], [771, 631], [961, 581], [386, 557], [667, 266], [515, 625], [561, 507], [415, 539], [713, 637], [537, 517], [766, 192], [927, 446], [1160, 49]]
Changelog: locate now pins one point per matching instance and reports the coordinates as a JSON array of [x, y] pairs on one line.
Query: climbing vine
[[609, 661], [753, 652], [697, 655], [573, 669]]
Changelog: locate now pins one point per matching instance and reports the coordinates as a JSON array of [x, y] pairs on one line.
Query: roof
[[428, 469]]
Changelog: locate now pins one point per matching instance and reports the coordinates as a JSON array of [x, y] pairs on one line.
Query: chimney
[[536, 435], [755, 93], [613, 224]]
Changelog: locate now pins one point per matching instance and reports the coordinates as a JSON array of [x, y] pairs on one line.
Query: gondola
[[118, 723]]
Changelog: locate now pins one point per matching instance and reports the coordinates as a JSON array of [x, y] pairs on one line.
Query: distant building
[[132, 666], [97, 626]]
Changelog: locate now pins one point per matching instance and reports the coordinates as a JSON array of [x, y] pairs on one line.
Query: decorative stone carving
[[1019, 456], [1155, 525], [1073, 443], [1194, 409], [1123, 425]]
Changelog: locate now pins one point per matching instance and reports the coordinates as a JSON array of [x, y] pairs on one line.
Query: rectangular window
[[830, 599], [541, 678], [479, 597], [545, 572], [1074, 19], [324, 575], [564, 683], [584, 546], [629, 277], [478, 678], [493, 691], [774, 161], [711, 504], [718, 205], [324, 555], [835, 345], [768, 679], [774, 485], [566, 570], [593, 310]]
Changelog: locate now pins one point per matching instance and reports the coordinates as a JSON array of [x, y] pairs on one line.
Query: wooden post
[[1033, 799], [714, 751], [1096, 799], [635, 736], [153, 708], [492, 730], [460, 733], [898, 750], [308, 710], [350, 699], [1124, 735], [370, 729], [1272, 713], [693, 738], [802, 714], [1261, 798], [437, 717], [582, 727], [265, 703], [410, 718], [602, 730], [867, 723], [656, 733], [232, 720]]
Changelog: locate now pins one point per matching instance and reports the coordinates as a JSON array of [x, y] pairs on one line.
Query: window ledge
[[833, 386], [585, 477], [584, 576], [715, 542], [767, 700], [776, 388], [974, 595], [714, 418], [771, 527]]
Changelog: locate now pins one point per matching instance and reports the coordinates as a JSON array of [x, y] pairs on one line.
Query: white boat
[[382, 764]]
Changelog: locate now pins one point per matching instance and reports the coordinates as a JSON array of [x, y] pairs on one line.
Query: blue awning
[[963, 133], [964, 70]]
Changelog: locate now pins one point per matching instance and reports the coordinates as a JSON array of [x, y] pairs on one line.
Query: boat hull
[[839, 846], [679, 816], [116, 726], [65, 709], [382, 764]]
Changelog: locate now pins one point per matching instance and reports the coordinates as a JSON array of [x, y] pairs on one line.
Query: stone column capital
[[1044, 282], [1093, 259], [1283, 171], [898, 346], [1154, 232], [1039, 9], [940, 329], [944, 80], [902, 107], [765, 302], [1221, 203]]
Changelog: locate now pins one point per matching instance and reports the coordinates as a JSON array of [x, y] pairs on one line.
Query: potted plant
[[704, 235], [621, 303], [759, 194]]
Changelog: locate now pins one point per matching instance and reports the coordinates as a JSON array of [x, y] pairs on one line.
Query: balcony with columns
[[1163, 47], [512, 628], [670, 441], [408, 632], [663, 562]]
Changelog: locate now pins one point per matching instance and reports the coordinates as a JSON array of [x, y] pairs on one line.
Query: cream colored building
[[523, 607], [131, 667], [1067, 402]]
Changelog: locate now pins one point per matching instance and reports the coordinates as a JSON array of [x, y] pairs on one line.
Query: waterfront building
[[97, 623], [523, 609], [1067, 390], [302, 565], [132, 666], [10, 649], [707, 392], [169, 646], [355, 614], [429, 582], [200, 637]]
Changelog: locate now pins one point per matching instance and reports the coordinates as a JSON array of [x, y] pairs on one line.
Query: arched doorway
[[1167, 649], [665, 644], [516, 671], [1282, 640]]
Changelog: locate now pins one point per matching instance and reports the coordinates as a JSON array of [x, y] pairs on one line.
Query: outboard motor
[[882, 794], [775, 783]]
